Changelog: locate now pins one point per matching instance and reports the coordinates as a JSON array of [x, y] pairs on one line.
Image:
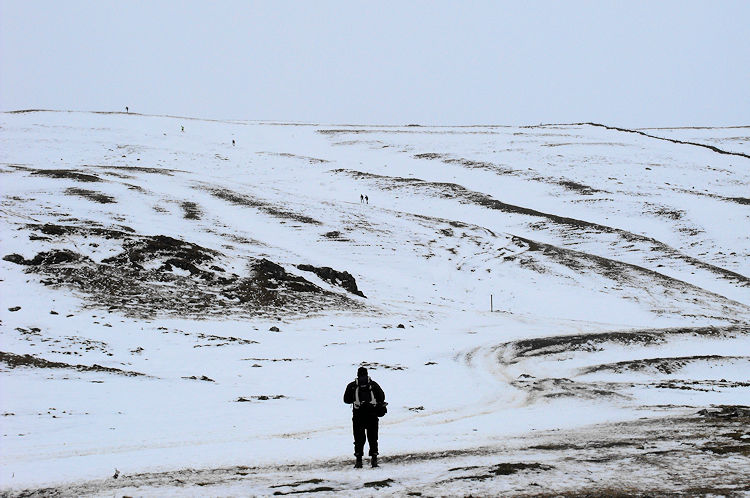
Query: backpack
[[380, 408]]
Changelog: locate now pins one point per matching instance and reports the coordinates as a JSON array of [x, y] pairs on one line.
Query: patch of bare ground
[[52, 231], [377, 366], [136, 169], [91, 195], [67, 174], [261, 397], [263, 206], [698, 385], [555, 388], [513, 351], [191, 210], [11, 360], [160, 275], [578, 187], [665, 212], [335, 235], [665, 365], [479, 473]]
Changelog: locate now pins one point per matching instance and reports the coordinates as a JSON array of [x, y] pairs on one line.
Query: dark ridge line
[[270, 122], [485, 200], [673, 140], [229, 121], [275, 122], [601, 260]]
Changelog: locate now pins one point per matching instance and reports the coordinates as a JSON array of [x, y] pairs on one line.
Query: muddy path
[[709, 446]]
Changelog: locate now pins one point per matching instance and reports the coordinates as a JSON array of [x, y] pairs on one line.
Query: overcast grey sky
[[649, 63]]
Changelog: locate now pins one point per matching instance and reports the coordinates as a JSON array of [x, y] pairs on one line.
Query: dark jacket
[[365, 400]]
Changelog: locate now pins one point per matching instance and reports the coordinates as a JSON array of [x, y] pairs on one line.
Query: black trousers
[[365, 426]]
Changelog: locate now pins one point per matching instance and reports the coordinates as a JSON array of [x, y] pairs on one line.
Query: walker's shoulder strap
[[357, 402]]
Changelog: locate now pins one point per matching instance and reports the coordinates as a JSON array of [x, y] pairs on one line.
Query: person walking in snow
[[368, 403], [361, 198], [367, 200]]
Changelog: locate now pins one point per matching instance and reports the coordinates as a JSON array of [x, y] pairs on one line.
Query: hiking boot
[[374, 461], [358, 463]]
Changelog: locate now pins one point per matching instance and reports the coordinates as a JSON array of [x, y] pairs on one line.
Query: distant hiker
[[126, 110], [232, 142], [368, 403], [367, 200], [361, 198], [182, 127]]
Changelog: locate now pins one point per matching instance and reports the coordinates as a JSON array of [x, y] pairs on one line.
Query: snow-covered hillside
[[184, 300]]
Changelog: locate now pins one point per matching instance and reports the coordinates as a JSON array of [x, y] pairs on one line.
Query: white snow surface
[[572, 229]]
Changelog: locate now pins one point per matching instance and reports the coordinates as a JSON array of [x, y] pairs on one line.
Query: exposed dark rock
[[343, 279], [45, 258], [202, 377], [15, 258], [262, 397], [269, 285], [141, 280], [55, 257], [274, 329]]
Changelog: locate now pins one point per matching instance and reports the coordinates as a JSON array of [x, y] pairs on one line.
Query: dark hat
[[361, 372]]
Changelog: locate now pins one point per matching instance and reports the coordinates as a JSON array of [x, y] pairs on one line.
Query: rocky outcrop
[[342, 279]]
